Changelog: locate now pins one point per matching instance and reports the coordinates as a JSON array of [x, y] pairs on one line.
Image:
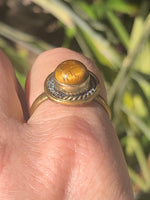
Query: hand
[[61, 152]]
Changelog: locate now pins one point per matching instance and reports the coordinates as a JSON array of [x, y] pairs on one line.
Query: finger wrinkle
[[70, 129], [69, 122]]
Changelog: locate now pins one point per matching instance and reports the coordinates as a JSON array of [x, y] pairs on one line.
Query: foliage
[[116, 34]]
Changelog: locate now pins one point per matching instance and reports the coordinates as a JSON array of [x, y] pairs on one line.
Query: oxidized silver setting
[[83, 95]]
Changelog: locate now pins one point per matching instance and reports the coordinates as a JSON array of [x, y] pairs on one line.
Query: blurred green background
[[113, 33]]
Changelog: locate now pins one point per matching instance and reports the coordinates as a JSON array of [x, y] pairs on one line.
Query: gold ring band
[[71, 84], [44, 97]]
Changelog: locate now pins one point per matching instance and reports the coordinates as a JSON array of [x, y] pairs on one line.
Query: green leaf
[[141, 76], [119, 28], [19, 62], [121, 6], [142, 63], [144, 80], [137, 179], [87, 9], [136, 146], [99, 9], [136, 33], [139, 91], [138, 122], [129, 60], [27, 41], [58, 9]]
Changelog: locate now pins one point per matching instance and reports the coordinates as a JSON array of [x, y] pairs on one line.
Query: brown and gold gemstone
[[71, 72]]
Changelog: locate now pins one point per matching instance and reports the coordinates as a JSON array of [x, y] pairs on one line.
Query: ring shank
[[102, 102], [44, 97]]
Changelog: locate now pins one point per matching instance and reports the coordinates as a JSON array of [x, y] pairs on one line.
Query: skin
[[60, 152]]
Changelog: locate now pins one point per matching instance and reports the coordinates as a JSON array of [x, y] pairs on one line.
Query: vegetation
[[116, 35]]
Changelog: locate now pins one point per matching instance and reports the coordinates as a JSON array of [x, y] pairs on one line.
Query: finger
[[80, 140], [10, 106]]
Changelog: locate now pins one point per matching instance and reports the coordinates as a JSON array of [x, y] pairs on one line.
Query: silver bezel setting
[[69, 98]]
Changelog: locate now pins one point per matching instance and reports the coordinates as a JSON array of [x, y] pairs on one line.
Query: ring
[[71, 84]]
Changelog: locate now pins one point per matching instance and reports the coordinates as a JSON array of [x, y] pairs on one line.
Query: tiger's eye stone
[[71, 72]]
